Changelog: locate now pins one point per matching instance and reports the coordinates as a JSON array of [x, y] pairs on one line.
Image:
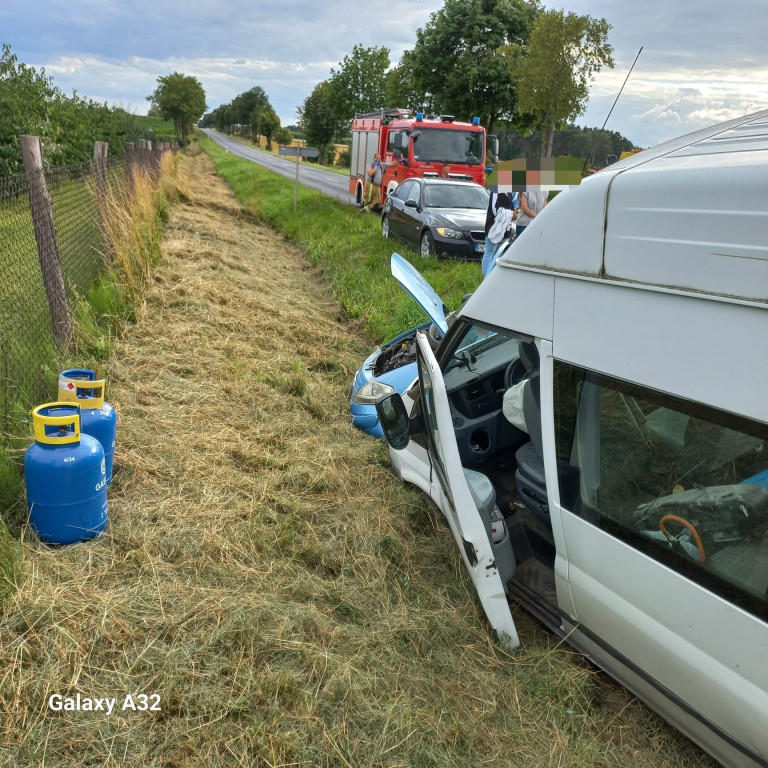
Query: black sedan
[[438, 217]]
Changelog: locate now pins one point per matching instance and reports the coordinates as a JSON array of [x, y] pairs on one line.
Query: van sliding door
[[665, 518]]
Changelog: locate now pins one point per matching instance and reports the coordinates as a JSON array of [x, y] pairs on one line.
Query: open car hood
[[420, 291]]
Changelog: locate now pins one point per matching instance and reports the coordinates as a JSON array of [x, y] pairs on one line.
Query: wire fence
[[53, 247]]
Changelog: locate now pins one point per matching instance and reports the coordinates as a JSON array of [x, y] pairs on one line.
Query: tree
[[318, 120], [66, 125], [26, 107], [269, 124], [564, 53], [247, 103], [402, 89], [180, 98], [459, 63], [360, 83], [283, 137]]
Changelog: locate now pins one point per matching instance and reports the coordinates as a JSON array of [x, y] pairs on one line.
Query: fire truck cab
[[435, 146]]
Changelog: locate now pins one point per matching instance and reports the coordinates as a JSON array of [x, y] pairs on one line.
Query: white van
[[631, 513]]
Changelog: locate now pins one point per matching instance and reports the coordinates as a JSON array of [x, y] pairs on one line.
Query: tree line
[[514, 64], [252, 111], [31, 104], [522, 69]]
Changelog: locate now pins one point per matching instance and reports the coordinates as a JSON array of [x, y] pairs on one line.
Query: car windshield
[[446, 195], [446, 145]]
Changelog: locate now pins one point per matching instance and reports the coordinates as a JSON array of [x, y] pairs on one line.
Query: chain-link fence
[[53, 247]]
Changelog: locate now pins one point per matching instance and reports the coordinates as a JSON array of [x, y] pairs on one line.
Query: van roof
[[689, 214]]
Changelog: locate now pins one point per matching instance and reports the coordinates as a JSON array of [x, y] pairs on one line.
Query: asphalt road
[[332, 184]]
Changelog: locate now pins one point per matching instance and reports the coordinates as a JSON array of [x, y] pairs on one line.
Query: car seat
[[529, 476]]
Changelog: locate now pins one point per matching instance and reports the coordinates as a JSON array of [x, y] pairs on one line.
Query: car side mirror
[[412, 204], [394, 420]]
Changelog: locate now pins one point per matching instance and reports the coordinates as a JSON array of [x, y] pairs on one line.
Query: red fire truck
[[430, 146]]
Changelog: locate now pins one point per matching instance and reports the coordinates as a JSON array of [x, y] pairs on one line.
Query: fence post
[[100, 170], [130, 158], [41, 207], [102, 190]]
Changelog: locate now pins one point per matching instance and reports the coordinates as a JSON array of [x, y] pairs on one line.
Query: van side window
[[684, 483]]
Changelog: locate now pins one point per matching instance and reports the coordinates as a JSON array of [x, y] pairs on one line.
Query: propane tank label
[[66, 385], [104, 466]]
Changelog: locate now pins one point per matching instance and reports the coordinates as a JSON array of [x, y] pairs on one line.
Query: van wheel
[[427, 246], [385, 227]]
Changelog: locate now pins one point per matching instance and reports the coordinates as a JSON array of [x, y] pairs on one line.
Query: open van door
[[451, 492]]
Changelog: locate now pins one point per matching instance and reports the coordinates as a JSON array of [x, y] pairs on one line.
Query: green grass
[[347, 245]]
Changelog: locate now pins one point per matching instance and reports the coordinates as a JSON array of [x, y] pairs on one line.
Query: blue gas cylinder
[[97, 417], [66, 479]]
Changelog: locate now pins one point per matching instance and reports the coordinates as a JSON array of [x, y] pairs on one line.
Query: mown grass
[[347, 245]]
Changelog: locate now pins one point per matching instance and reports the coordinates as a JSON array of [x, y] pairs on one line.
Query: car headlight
[[369, 393], [445, 232]]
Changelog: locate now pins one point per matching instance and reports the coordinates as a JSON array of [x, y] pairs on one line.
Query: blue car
[[392, 367]]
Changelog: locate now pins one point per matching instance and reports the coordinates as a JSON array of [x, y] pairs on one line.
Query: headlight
[[445, 232], [371, 392]]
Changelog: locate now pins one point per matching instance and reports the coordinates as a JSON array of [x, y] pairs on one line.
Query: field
[[289, 601]]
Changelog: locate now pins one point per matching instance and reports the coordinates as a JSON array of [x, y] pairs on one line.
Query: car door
[[413, 216], [396, 203], [450, 491]]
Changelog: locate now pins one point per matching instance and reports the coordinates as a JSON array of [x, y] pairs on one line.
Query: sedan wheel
[[385, 226], [427, 249]]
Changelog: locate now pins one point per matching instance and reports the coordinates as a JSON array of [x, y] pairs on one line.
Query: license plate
[[479, 247]]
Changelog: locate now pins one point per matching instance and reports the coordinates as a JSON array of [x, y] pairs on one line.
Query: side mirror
[[411, 204], [401, 142], [494, 146], [394, 420]]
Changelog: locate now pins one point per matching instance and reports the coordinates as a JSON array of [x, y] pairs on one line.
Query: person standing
[[498, 202], [531, 205], [374, 174]]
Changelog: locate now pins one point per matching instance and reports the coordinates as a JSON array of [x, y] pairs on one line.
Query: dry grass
[[262, 571]]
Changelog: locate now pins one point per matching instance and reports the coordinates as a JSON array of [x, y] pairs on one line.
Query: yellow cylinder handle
[[43, 417], [88, 393]]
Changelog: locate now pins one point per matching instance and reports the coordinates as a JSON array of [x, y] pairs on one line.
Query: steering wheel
[[674, 518], [515, 373]]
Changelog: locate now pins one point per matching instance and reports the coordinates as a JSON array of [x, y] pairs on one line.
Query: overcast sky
[[703, 61]]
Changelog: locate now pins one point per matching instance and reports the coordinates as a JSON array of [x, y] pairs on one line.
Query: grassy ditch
[[347, 246], [290, 602]]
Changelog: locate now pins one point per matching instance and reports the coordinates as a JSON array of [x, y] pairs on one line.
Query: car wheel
[[385, 226], [427, 247]]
